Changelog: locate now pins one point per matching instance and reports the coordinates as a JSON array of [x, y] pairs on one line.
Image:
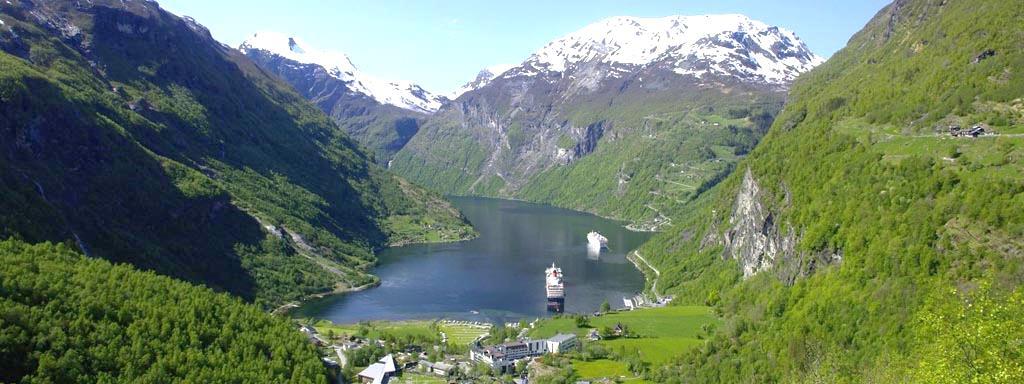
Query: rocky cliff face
[[754, 238], [758, 242]]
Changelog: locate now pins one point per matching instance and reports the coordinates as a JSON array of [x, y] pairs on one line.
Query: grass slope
[[662, 333]]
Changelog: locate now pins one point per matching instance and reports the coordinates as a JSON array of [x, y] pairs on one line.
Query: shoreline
[[407, 243], [283, 309], [629, 225], [633, 256]]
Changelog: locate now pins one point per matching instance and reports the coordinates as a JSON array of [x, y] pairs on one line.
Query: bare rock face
[[754, 238]]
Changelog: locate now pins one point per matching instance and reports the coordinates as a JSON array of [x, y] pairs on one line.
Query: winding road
[[657, 274]]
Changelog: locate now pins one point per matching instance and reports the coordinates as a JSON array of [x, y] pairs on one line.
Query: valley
[[220, 203]]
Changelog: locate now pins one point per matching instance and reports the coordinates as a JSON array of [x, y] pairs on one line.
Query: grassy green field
[[420, 330], [605, 369], [681, 321], [461, 334], [417, 329], [662, 332], [415, 378]]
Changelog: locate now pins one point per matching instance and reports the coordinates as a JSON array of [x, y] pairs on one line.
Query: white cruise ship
[[555, 288], [596, 241]]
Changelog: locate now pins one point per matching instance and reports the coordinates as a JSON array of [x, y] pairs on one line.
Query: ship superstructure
[[596, 241], [555, 288]]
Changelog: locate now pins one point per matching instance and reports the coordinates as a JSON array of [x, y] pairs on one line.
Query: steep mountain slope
[[339, 66], [381, 115], [624, 117], [134, 135], [860, 241], [72, 319]]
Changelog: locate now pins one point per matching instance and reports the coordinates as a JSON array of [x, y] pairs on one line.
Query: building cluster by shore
[[502, 357]]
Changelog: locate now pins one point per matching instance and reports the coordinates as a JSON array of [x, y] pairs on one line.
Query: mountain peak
[[401, 94], [729, 44], [482, 78]]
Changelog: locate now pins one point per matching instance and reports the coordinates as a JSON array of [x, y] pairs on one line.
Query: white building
[[379, 372], [502, 356], [561, 342], [628, 303]]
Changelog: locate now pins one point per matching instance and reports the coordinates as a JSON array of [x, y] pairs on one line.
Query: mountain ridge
[[531, 131], [689, 45], [401, 94]]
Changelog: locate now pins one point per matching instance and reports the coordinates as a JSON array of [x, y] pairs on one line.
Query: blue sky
[[442, 44]]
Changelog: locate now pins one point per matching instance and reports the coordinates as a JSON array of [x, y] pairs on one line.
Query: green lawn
[[416, 378], [418, 329], [663, 332], [598, 369], [681, 321], [653, 350], [461, 334]]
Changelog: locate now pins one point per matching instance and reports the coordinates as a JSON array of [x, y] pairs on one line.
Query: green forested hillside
[[65, 318], [662, 154], [907, 263], [641, 153], [132, 134]]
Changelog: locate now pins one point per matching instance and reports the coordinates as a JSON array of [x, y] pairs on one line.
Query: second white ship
[[596, 241]]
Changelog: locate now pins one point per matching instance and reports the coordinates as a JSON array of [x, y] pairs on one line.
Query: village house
[[439, 368], [380, 372]]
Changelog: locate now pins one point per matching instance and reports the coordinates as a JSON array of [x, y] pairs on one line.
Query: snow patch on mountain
[[401, 94], [688, 45], [482, 78]]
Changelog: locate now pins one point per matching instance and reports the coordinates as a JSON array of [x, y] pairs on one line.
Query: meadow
[[656, 335]]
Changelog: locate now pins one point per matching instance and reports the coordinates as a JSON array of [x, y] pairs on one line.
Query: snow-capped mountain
[[615, 83], [401, 94], [482, 78], [698, 46]]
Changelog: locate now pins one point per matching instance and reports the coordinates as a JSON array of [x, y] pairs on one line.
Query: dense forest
[[65, 318], [899, 251]]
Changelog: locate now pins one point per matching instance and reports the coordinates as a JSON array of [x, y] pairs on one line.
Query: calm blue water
[[498, 276]]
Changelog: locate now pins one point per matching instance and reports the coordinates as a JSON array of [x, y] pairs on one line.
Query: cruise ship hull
[[556, 304]]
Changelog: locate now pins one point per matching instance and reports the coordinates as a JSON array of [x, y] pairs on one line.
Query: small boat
[[596, 240]]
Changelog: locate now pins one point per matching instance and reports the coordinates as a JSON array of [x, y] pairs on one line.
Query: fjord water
[[499, 275]]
